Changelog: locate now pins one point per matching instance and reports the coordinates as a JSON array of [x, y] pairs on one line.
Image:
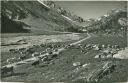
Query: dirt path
[[81, 40], [30, 60]]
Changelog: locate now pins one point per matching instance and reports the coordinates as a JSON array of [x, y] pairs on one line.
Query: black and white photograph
[[64, 41]]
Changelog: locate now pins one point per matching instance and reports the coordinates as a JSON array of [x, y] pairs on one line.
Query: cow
[[97, 47], [50, 53], [116, 46], [54, 54], [45, 59], [55, 50], [13, 50], [109, 46], [84, 51], [112, 68], [35, 63], [22, 49], [88, 46], [35, 54], [22, 57], [42, 52], [5, 70], [103, 46], [48, 49], [30, 50], [42, 45], [98, 56], [67, 46], [94, 46], [11, 60]]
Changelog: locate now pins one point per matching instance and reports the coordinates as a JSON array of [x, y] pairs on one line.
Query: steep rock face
[[63, 11], [11, 26], [30, 16]]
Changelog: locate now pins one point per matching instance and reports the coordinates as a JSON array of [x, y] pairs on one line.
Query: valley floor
[[61, 69]]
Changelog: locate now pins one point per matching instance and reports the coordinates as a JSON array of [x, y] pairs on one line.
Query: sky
[[91, 9]]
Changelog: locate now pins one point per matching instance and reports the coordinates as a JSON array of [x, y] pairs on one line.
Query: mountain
[[110, 21], [34, 16], [64, 12]]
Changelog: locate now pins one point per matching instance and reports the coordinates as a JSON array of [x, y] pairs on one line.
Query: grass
[[62, 69], [112, 40], [7, 35], [6, 55]]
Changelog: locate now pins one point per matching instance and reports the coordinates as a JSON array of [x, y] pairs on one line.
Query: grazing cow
[[112, 68], [43, 52], [48, 49], [22, 57], [21, 52], [30, 50], [42, 45], [103, 46], [35, 63], [98, 56], [116, 46], [11, 60], [45, 59], [84, 51], [94, 46], [79, 45], [54, 54], [76, 64], [35, 54], [6, 69], [97, 47], [55, 50], [109, 46], [67, 46], [13, 50], [110, 55], [50, 53], [22, 49]]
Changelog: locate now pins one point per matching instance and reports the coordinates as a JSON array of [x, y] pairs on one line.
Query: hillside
[[109, 22], [34, 16]]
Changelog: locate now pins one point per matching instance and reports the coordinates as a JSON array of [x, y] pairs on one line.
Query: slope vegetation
[[32, 16]]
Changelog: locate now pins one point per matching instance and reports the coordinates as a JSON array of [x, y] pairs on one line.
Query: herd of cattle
[[105, 51], [52, 51]]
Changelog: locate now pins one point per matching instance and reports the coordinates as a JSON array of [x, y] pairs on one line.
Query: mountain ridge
[[34, 13]]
